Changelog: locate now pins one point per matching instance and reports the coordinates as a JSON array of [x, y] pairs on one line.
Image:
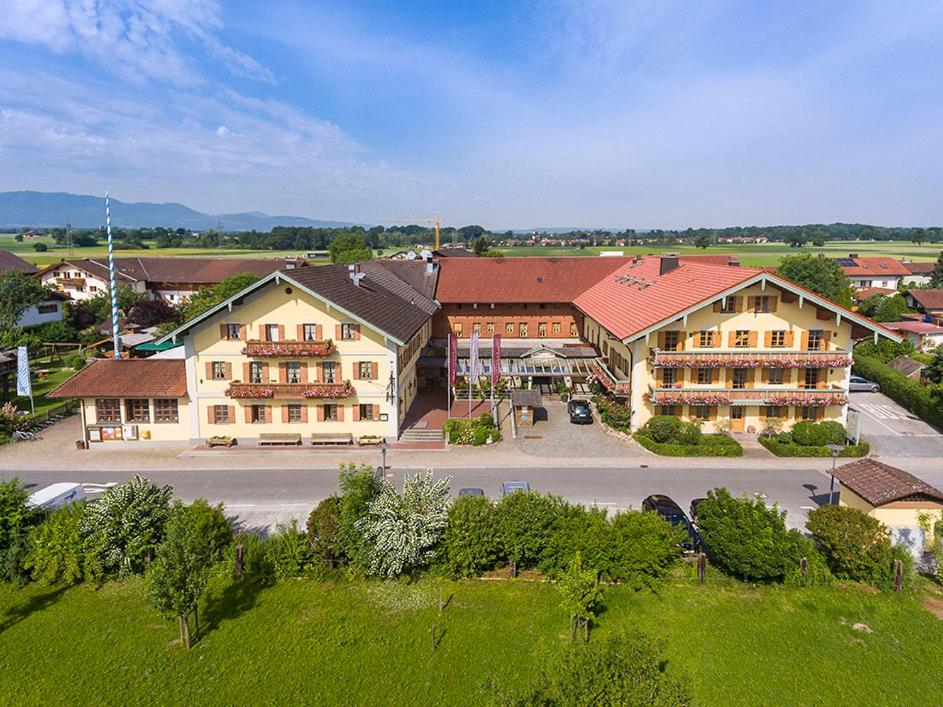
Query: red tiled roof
[[523, 279], [915, 327], [930, 300], [864, 267], [919, 268], [127, 378], [728, 260], [636, 296], [871, 291], [177, 270], [878, 483]]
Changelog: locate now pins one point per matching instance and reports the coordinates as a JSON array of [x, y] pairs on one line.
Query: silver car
[[863, 385]]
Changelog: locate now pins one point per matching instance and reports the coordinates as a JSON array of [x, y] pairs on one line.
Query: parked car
[[511, 486], [671, 511], [56, 496], [580, 412], [471, 492], [857, 384]]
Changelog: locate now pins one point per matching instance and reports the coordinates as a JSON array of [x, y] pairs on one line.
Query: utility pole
[[68, 236]]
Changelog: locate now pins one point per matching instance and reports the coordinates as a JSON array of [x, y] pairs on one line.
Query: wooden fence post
[[804, 568], [702, 568], [898, 575], [237, 552]]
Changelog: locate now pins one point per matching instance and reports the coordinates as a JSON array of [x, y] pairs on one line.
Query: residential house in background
[[927, 302], [50, 310], [882, 272], [925, 336], [172, 279], [919, 273]]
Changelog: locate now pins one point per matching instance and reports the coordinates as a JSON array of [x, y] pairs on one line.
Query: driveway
[[892, 431], [553, 435]]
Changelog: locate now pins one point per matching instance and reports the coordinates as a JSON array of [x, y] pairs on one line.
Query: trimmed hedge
[[781, 448], [709, 446], [471, 431], [917, 398]]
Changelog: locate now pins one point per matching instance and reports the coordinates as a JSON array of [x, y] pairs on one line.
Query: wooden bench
[[331, 438], [273, 439]]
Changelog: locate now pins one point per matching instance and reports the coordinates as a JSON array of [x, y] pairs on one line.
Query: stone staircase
[[414, 435]]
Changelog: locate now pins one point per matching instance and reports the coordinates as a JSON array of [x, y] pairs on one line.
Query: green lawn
[[53, 379], [370, 643]]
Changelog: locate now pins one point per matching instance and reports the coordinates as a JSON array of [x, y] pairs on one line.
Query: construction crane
[[435, 221]]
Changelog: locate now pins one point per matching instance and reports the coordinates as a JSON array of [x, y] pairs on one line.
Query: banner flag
[[495, 360], [23, 385], [453, 358], [473, 360]]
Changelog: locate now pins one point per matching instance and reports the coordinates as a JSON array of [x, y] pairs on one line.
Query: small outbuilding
[[893, 496], [525, 404]]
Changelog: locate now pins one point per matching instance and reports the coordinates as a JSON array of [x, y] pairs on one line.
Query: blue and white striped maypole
[[111, 281]]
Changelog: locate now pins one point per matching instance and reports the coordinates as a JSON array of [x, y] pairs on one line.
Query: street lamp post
[[834, 449], [383, 448]]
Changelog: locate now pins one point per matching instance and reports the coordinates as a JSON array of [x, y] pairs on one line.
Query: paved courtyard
[[553, 435], [892, 431]]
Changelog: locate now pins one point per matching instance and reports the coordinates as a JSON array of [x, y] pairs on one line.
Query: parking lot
[[554, 435], [892, 431]]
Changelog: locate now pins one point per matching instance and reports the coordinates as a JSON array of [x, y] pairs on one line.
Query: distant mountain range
[[51, 209]]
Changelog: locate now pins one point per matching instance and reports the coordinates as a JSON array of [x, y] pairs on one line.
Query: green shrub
[[471, 431], [16, 518], [483, 434], [256, 559], [910, 394], [642, 547], [289, 551], [323, 525], [525, 523], [856, 546], [578, 530], [486, 419], [617, 416], [817, 572], [662, 428], [747, 539], [782, 445], [59, 553], [470, 546], [689, 433], [74, 361], [709, 446], [359, 487]]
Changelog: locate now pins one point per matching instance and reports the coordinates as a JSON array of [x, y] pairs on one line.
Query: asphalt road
[[259, 499], [892, 431]]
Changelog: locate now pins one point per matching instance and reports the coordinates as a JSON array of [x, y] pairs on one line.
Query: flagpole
[[111, 281]]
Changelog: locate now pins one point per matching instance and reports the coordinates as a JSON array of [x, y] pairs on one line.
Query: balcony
[[790, 397], [289, 349], [749, 359], [291, 391], [74, 282], [613, 382]]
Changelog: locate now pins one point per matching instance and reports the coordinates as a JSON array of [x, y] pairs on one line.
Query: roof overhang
[[278, 276], [764, 278]]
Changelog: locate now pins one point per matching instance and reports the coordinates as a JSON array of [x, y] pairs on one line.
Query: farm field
[[309, 642]]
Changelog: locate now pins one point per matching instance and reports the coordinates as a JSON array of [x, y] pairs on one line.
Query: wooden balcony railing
[[291, 391], [749, 359], [600, 372], [748, 396], [289, 349]]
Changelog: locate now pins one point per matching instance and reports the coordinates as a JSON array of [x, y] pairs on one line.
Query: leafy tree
[[890, 309], [581, 595], [856, 546], [289, 550], [934, 369], [746, 538], [404, 529], [100, 304], [642, 547], [18, 292], [194, 539], [349, 249], [525, 524], [702, 241], [817, 273], [470, 544], [936, 277], [40, 247], [150, 312], [481, 245], [324, 524], [797, 239], [80, 316], [618, 669], [59, 552], [885, 350], [126, 524], [205, 299], [16, 519], [359, 487], [581, 530], [60, 332]]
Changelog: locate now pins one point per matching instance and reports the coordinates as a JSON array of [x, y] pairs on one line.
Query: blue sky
[[609, 113]]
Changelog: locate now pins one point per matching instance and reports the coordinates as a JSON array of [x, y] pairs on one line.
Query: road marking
[[883, 412], [885, 426]]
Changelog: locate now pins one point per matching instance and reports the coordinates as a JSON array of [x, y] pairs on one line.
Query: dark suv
[[580, 412], [671, 511]]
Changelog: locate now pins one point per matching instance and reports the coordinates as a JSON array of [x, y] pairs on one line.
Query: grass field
[[370, 643], [54, 378]]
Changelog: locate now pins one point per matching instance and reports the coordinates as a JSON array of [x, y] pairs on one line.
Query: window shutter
[[762, 412], [356, 370], [264, 332], [320, 413], [356, 412], [764, 376], [661, 340], [804, 341], [246, 370], [231, 415], [210, 417], [283, 373], [248, 412], [752, 338], [268, 414], [712, 412], [285, 413], [738, 304], [304, 372], [356, 332], [304, 412], [790, 338], [659, 377], [222, 331], [340, 413], [751, 304], [337, 332], [265, 378], [375, 368], [750, 377], [228, 371], [718, 305], [319, 332], [300, 332], [209, 370], [821, 380], [243, 332], [820, 413], [731, 339], [281, 332], [681, 337], [715, 376], [826, 338], [715, 339], [318, 372], [773, 303], [767, 339]]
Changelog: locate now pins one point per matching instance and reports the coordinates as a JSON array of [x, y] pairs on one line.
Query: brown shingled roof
[[9, 261], [930, 300], [878, 483], [178, 270], [127, 378]]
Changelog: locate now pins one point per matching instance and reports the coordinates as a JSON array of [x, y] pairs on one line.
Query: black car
[[671, 511], [471, 492], [580, 412]]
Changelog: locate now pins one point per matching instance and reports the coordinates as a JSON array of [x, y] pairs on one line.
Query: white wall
[[33, 317]]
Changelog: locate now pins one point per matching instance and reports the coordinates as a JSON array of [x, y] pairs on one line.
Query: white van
[[56, 496]]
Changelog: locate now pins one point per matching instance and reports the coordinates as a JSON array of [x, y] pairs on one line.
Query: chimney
[[353, 271], [668, 263], [852, 255]]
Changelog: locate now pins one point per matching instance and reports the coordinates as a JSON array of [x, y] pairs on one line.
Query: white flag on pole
[[473, 360], [23, 385]]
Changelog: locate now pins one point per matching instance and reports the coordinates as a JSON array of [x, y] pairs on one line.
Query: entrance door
[[736, 418]]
